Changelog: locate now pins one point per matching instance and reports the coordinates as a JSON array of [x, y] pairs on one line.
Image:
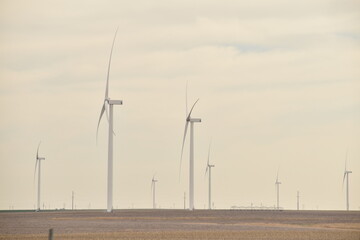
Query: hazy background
[[278, 82]]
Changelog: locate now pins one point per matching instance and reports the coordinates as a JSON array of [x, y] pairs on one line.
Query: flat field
[[181, 224]]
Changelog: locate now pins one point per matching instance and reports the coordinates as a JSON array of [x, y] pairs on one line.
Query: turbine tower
[[208, 167], [298, 201], [38, 160], [277, 183], [184, 200], [346, 175], [190, 120], [109, 103], [72, 200], [153, 183]]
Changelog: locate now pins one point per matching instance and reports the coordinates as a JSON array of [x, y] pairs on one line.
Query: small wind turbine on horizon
[[38, 159], [277, 183], [190, 120], [346, 175], [298, 201], [208, 167], [72, 200], [153, 183], [109, 103]]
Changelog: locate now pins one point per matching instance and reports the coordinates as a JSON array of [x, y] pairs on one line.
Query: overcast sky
[[278, 82]]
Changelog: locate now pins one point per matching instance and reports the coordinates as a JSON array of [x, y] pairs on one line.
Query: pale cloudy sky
[[278, 82]]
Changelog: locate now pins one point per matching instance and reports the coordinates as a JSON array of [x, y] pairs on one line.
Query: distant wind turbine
[[184, 200], [208, 167], [277, 183], [190, 120], [109, 102], [38, 160], [72, 200], [153, 183], [346, 175], [298, 201]]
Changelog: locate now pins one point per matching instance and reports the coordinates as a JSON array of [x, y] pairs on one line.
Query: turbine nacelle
[[114, 102], [193, 119]]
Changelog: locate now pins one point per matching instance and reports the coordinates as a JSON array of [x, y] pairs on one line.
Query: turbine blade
[[107, 117], [153, 181], [35, 168], [37, 157], [37, 152], [101, 114], [107, 113], [346, 159], [108, 73], [209, 154], [345, 172], [182, 147], [186, 97], [208, 160], [192, 108]]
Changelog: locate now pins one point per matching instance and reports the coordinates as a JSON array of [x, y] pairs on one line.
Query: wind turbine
[[38, 159], [72, 200], [277, 183], [208, 167], [298, 201], [190, 120], [153, 183], [109, 103], [346, 175]]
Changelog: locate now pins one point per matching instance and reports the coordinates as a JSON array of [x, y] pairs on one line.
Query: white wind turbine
[[111, 103], [298, 201], [190, 120], [208, 167], [38, 159], [277, 183], [153, 183], [346, 175]]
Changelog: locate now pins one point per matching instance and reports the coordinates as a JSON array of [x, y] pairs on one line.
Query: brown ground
[[181, 224]]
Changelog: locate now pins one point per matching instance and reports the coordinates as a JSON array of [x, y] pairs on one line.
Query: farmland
[[181, 224]]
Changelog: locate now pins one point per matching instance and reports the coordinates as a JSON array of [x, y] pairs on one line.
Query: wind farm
[[171, 218], [276, 92]]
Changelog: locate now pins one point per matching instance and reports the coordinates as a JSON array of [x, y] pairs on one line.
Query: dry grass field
[[181, 224]]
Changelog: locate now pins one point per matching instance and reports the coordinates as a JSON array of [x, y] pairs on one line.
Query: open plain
[[181, 224]]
